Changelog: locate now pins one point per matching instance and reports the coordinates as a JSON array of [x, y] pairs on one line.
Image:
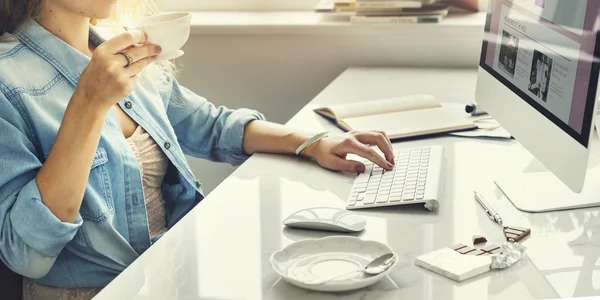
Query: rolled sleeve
[[206, 131], [231, 140], [37, 226], [31, 237]]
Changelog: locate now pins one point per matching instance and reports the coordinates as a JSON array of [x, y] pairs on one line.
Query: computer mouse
[[326, 219]]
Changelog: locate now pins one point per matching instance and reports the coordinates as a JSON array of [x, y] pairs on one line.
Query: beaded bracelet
[[310, 141]]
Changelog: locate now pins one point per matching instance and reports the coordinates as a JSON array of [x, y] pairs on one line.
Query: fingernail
[[157, 49], [360, 168], [393, 161], [390, 166]]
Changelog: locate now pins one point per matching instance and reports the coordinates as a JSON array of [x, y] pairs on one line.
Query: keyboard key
[[382, 198], [362, 177], [387, 181], [383, 193], [360, 196], [359, 187], [408, 197], [396, 189], [398, 183], [395, 198], [369, 199], [351, 203]]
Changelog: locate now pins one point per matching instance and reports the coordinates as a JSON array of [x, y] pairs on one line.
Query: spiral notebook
[[399, 117]]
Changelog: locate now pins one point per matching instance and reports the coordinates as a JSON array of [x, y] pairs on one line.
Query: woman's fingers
[[340, 164], [138, 66], [379, 139], [123, 41], [356, 147], [141, 52]]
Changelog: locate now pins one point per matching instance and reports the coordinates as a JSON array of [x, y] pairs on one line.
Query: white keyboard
[[416, 178]]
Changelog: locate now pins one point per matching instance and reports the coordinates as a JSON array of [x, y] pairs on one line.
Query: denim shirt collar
[[66, 59]]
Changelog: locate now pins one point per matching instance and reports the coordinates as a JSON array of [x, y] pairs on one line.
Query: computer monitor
[[538, 77]]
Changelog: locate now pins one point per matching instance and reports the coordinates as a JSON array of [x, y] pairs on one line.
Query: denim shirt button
[[198, 183], [167, 145], [128, 104]]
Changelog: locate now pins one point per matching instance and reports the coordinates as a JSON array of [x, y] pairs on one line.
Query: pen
[[491, 213]]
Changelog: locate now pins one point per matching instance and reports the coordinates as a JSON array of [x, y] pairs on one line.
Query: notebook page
[[414, 122], [383, 106]]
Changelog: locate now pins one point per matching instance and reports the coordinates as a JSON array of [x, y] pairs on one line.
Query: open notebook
[[400, 117]]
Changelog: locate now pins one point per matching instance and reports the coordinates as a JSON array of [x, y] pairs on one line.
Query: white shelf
[[269, 23]]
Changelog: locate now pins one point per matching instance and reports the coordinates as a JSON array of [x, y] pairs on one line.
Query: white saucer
[[309, 260], [171, 55]]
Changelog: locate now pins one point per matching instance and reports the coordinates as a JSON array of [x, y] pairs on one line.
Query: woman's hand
[[330, 152], [107, 78]]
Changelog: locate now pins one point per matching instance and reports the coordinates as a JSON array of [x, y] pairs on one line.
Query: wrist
[[85, 104], [308, 147], [88, 107], [311, 150]]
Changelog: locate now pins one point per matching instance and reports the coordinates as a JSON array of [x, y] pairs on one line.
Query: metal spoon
[[377, 266]]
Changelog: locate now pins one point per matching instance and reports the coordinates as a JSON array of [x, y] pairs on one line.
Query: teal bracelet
[[310, 141]]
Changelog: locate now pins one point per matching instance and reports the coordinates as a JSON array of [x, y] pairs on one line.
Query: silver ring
[[127, 57]]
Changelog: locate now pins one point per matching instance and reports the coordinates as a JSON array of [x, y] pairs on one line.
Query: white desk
[[221, 249]]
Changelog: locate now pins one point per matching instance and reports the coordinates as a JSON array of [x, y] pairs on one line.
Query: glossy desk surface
[[221, 249]]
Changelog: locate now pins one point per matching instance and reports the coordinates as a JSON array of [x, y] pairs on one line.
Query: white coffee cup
[[170, 31]]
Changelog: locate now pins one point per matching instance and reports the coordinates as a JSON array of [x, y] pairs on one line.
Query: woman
[[93, 143]]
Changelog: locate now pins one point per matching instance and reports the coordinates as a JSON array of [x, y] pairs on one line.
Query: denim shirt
[[38, 75]]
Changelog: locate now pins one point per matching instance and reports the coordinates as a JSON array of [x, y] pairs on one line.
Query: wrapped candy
[[511, 253]]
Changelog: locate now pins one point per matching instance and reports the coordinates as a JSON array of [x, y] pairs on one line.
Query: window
[[238, 5]]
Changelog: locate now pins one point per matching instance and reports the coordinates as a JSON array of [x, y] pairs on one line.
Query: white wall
[[278, 74]]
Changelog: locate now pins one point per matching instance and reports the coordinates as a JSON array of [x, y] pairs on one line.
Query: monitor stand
[[543, 192], [536, 189]]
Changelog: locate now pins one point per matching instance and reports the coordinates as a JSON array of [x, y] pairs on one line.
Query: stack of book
[[386, 11]]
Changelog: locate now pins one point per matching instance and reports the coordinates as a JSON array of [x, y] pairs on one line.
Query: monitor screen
[[545, 52]]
